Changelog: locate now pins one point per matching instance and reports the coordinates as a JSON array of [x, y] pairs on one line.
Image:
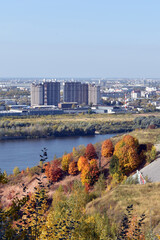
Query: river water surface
[[25, 153]]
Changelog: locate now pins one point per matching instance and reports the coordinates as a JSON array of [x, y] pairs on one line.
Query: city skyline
[[80, 39]]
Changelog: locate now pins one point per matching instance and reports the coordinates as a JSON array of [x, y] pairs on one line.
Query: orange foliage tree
[[90, 152], [127, 152], [53, 171], [107, 148], [90, 173], [73, 169], [66, 159], [81, 163]]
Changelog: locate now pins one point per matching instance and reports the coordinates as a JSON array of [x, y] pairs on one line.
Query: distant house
[[135, 94]]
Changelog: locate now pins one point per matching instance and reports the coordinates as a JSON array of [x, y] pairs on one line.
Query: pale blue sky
[[80, 38]]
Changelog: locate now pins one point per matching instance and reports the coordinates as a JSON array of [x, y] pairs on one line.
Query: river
[[25, 153]]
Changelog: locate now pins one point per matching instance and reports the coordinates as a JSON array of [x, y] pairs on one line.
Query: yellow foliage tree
[[90, 173], [126, 151], [81, 163], [66, 159]]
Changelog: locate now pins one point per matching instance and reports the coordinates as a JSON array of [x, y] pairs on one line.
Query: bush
[[114, 165], [16, 171], [3, 177], [131, 180], [34, 170], [100, 185], [151, 155]]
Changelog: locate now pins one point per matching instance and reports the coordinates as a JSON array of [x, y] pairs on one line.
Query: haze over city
[[80, 38]]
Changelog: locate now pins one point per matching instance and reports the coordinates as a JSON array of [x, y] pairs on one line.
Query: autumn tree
[[73, 169], [126, 151], [81, 163], [33, 216], [78, 152], [66, 159], [107, 148], [90, 173], [53, 171], [90, 152]]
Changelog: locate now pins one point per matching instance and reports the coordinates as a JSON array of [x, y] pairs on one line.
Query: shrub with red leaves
[[90, 152], [53, 171]]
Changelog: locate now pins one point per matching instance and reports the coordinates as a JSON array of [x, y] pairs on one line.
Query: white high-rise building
[[94, 95], [37, 94]]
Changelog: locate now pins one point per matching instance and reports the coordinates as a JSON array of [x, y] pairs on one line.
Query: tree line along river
[[25, 153]]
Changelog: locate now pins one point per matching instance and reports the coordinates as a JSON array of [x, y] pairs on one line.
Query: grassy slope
[[145, 199], [143, 136]]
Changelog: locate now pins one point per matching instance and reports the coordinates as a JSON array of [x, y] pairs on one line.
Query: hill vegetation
[[82, 195]]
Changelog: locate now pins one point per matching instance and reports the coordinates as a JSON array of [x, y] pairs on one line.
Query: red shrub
[[90, 152], [55, 173]]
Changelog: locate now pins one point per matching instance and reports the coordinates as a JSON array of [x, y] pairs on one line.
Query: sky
[[80, 38]]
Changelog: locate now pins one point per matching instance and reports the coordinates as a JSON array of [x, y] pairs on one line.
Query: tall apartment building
[[75, 92], [46, 93], [37, 94], [51, 93], [94, 95]]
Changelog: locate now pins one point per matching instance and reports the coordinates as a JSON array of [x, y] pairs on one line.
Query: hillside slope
[[145, 199]]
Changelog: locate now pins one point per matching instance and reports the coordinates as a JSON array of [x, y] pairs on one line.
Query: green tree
[[16, 171]]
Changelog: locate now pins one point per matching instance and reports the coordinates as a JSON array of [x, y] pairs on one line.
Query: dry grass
[[145, 199], [143, 135], [147, 135], [14, 188]]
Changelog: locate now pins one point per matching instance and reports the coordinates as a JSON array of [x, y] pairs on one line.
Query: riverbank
[[73, 125], [35, 128]]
